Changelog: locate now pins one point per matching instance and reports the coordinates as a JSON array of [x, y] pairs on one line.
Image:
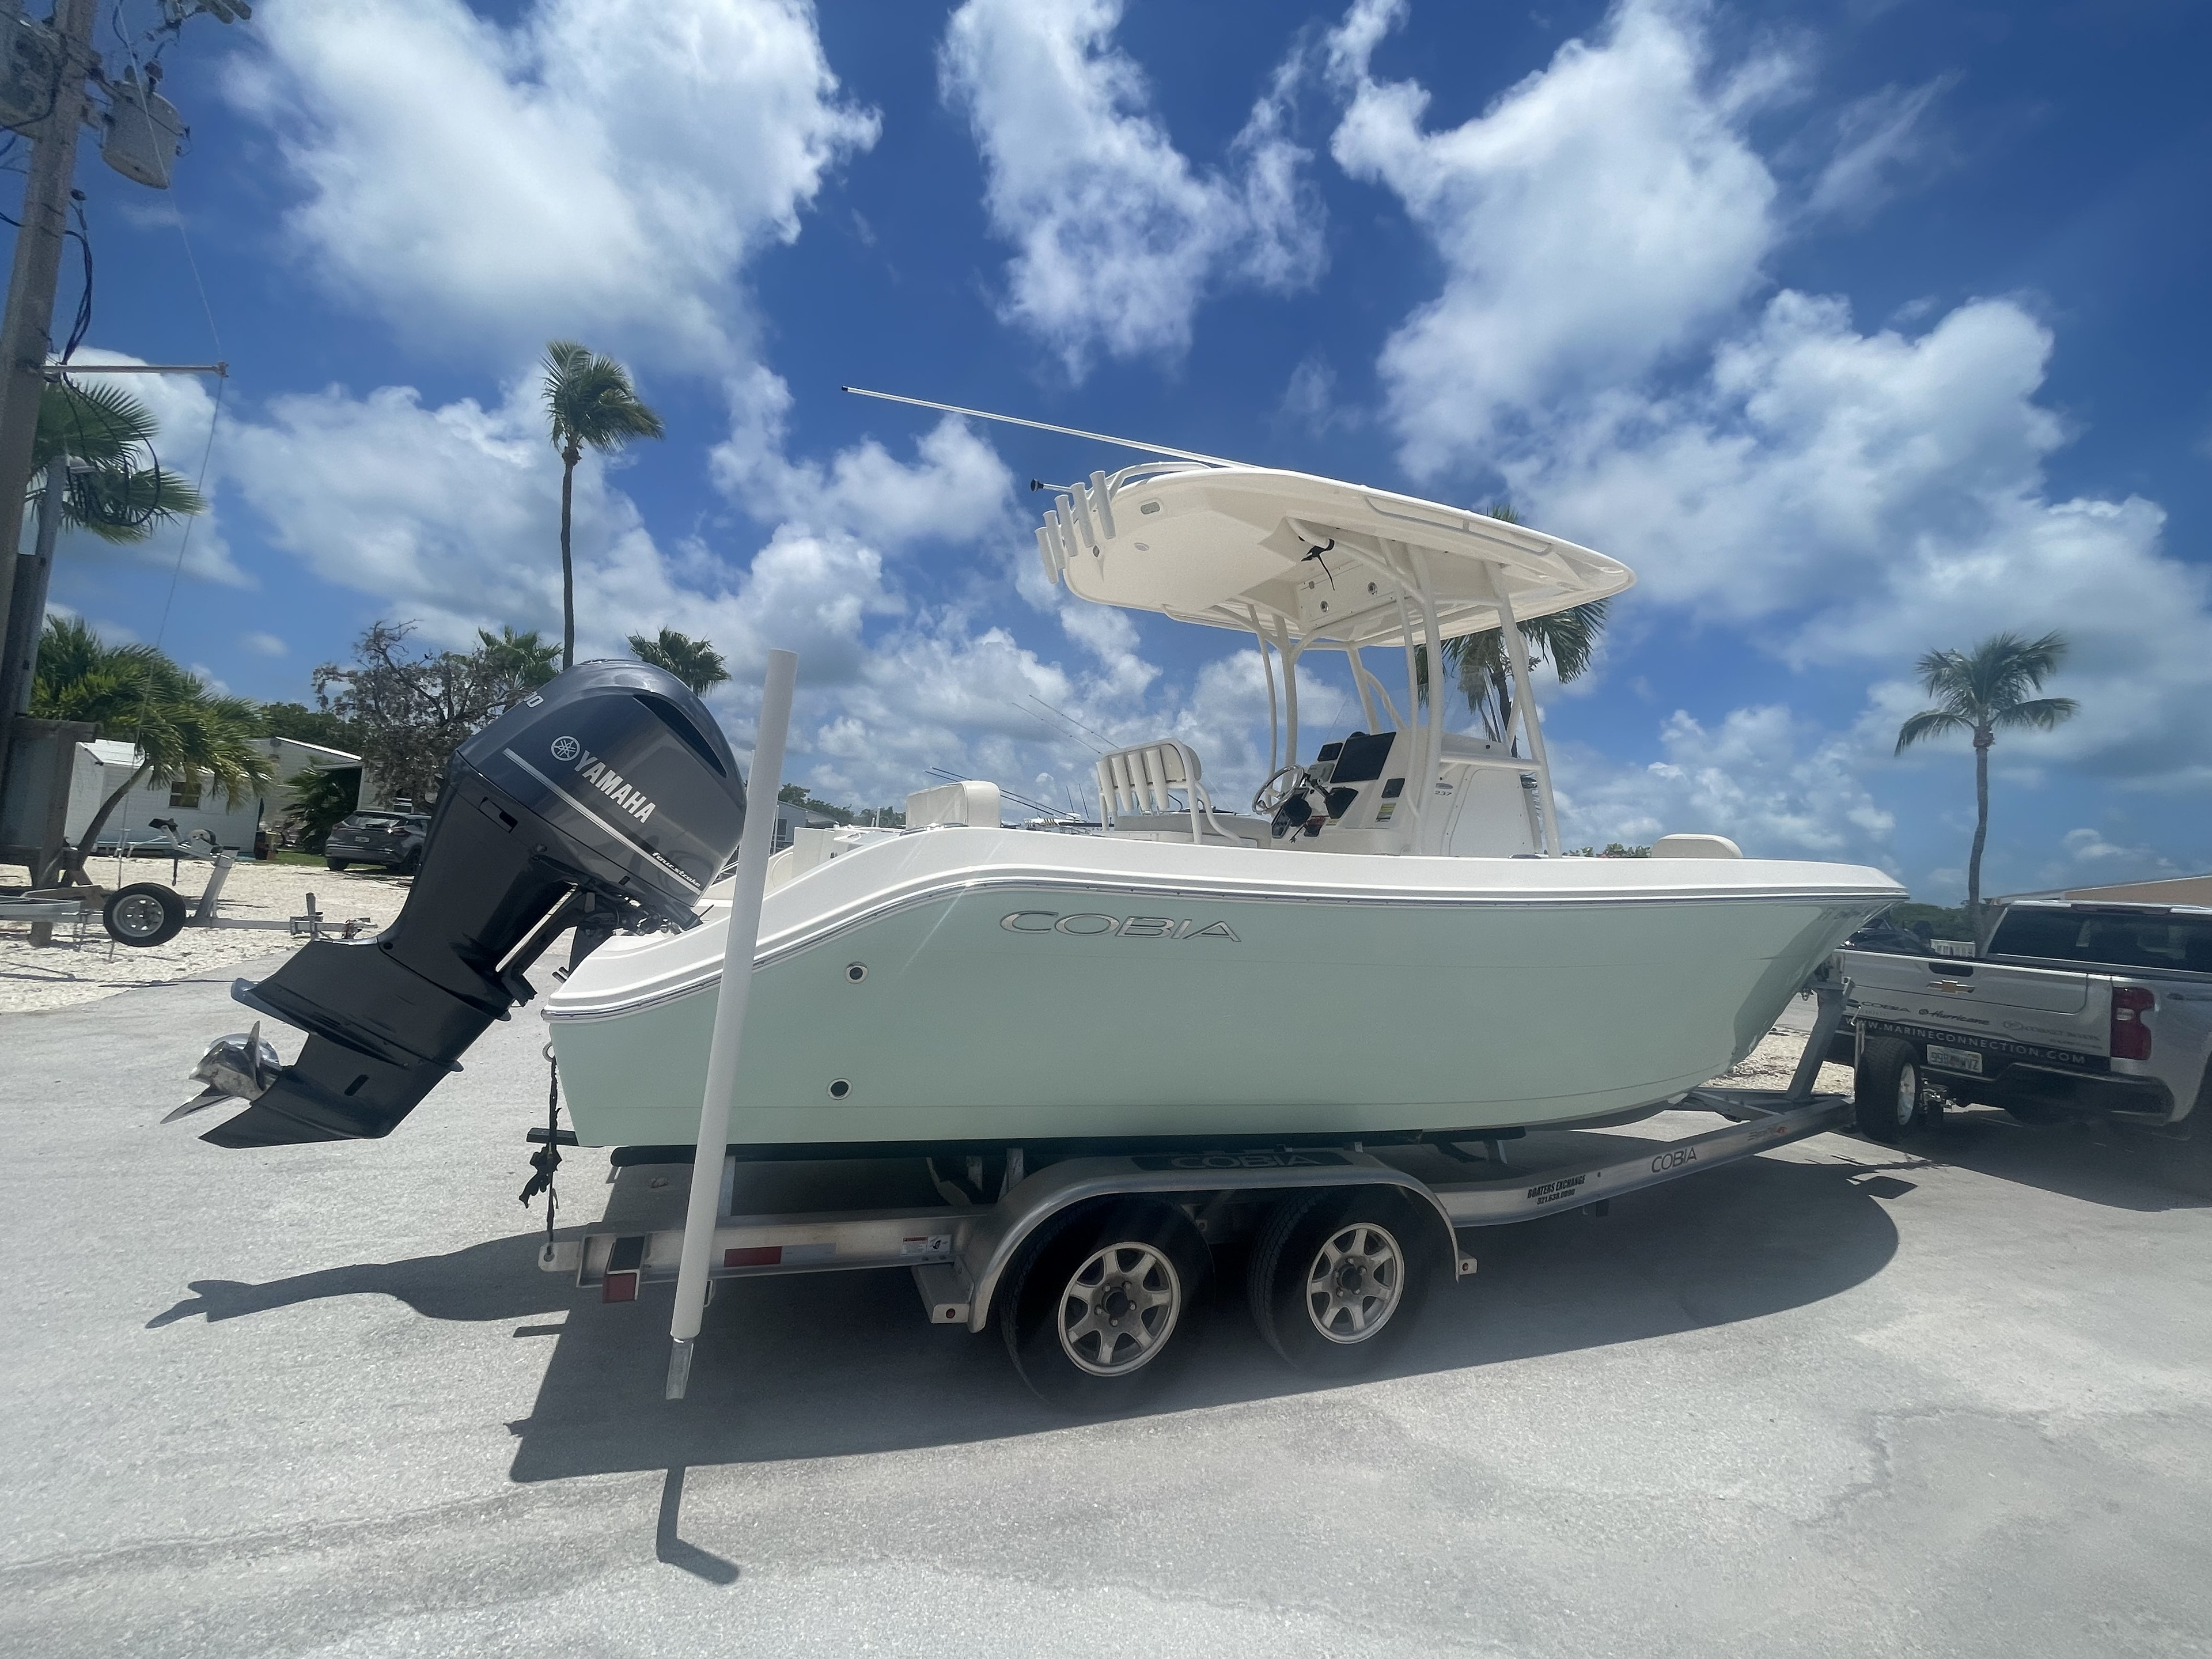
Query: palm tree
[[591, 403], [522, 658], [1985, 691], [115, 488], [1568, 640], [136, 694], [695, 662]]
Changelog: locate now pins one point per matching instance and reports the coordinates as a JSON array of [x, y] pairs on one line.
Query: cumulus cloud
[[1590, 221], [1119, 236], [1863, 498], [601, 165], [1846, 497], [1773, 782], [2090, 848], [446, 514], [958, 489]]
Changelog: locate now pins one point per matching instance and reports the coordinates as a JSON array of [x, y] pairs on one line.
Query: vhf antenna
[[1046, 426]]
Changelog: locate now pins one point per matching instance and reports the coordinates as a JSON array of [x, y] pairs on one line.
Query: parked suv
[[393, 840]]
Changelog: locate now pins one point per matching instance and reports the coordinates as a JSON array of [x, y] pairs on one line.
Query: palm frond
[[124, 504], [2040, 713], [1987, 688], [1568, 639], [99, 423], [699, 665], [1928, 723], [590, 401]]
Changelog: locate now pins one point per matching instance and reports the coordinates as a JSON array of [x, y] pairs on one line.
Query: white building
[[790, 820], [193, 802]]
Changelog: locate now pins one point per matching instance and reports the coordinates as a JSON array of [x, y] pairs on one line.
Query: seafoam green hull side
[[1281, 1016]]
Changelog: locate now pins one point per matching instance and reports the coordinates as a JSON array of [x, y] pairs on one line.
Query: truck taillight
[[2130, 1034]]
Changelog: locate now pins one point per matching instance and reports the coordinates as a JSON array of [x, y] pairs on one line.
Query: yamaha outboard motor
[[609, 799]]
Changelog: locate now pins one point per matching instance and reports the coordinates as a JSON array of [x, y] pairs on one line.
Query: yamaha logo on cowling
[[593, 770], [1096, 925]]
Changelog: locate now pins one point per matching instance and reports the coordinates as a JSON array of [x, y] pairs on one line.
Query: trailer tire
[[1337, 1278], [1886, 1089], [1105, 1306], [144, 914]]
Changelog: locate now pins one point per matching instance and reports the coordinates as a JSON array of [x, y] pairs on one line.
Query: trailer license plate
[[1955, 1060]]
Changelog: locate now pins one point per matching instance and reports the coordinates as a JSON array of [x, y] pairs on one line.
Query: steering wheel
[[1288, 780]]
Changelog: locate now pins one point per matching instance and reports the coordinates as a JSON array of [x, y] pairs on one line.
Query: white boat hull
[[1022, 988]]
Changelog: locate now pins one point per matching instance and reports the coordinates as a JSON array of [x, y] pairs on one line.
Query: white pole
[[754, 845], [1516, 653]]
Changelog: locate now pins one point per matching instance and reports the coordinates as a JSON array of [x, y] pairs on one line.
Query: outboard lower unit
[[609, 799]]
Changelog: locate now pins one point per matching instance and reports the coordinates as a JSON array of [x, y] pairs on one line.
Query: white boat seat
[[1153, 781]]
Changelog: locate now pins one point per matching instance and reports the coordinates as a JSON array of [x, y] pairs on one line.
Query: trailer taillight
[[2130, 1034]]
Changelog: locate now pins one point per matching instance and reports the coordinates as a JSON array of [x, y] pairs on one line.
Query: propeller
[[239, 1067]]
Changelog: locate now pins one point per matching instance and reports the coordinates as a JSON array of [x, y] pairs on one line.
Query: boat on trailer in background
[[1199, 1009]]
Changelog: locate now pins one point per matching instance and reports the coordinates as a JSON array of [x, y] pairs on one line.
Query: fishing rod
[[1046, 426]]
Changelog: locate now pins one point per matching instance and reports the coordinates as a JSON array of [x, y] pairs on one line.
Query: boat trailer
[[968, 1259]]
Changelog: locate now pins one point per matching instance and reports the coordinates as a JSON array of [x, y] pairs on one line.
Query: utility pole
[[27, 328]]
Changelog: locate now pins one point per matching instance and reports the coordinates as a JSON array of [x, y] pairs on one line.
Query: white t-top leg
[[1516, 653], [754, 845]]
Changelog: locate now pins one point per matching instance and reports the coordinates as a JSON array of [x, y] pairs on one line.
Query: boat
[[1387, 942]]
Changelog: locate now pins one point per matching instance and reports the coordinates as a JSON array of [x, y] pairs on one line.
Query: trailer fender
[[989, 1247]]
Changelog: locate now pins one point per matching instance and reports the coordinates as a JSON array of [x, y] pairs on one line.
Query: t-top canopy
[[1327, 562]]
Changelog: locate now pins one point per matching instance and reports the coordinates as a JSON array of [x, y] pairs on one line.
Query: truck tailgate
[[2034, 1007]]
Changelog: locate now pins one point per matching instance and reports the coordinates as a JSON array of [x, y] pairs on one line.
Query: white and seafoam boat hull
[[999, 986]]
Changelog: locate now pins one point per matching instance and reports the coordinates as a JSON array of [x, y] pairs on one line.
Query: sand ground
[[68, 972]]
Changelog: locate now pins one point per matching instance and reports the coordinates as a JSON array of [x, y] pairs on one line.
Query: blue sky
[[1855, 329]]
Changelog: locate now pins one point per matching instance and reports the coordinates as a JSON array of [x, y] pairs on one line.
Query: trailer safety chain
[[547, 1158]]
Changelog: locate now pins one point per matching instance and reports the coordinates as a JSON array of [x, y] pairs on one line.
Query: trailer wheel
[[1886, 1089], [1337, 1278], [1104, 1309], [145, 912]]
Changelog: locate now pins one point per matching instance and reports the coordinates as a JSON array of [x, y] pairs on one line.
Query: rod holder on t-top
[[738, 947]]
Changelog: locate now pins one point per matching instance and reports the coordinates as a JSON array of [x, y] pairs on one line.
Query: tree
[[413, 709], [1985, 691], [1568, 640], [522, 660], [695, 662], [590, 404], [136, 694], [305, 724], [319, 799], [115, 488]]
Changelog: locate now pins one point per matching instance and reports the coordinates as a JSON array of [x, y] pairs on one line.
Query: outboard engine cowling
[[607, 799]]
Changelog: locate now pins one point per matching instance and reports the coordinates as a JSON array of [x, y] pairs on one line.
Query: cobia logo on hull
[[1094, 925], [603, 778]]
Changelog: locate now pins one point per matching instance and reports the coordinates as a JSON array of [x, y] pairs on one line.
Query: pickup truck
[[2074, 1010]]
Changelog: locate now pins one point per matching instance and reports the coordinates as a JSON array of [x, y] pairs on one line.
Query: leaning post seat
[[1145, 779]]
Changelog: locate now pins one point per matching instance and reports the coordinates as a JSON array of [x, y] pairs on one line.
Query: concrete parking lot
[[1947, 1399]]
